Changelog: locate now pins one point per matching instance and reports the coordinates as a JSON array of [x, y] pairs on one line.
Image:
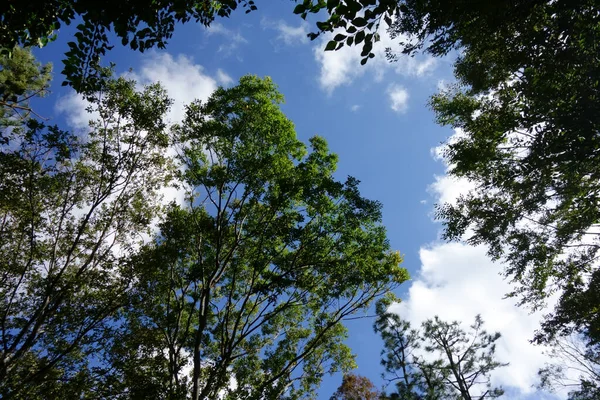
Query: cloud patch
[[288, 34], [223, 78], [457, 282], [234, 39], [341, 67], [398, 97]]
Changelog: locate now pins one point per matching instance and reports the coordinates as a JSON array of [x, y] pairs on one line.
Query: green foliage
[[251, 280], [526, 103], [360, 21], [72, 209], [526, 106], [21, 79], [356, 387], [458, 366], [139, 24]]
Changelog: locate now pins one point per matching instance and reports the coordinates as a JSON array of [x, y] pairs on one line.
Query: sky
[[376, 118]]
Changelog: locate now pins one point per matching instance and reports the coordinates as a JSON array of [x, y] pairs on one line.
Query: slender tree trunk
[[202, 321]]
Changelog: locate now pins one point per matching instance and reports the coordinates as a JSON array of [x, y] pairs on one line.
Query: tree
[[72, 208], [356, 387], [243, 292], [441, 361], [525, 103], [529, 143], [575, 366], [21, 79]]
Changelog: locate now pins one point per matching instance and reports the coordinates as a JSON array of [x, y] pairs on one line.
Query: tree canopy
[[525, 103], [251, 280], [356, 387], [72, 208], [239, 290], [137, 24], [529, 137]]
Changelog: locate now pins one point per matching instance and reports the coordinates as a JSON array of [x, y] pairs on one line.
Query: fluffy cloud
[[290, 35], [398, 98], [223, 78], [457, 282], [233, 38], [341, 67], [183, 80]]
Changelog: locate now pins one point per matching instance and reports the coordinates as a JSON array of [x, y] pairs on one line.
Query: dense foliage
[[250, 281], [22, 78], [239, 291], [139, 24], [525, 102], [526, 109]]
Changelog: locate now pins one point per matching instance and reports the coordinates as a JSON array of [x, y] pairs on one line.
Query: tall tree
[[526, 108], [441, 361], [574, 366], [71, 209], [526, 104], [356, 387], [243, 292]]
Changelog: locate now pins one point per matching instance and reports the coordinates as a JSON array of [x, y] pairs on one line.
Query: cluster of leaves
[[442, 361], [22, 78], [138, 24], [355, 22]]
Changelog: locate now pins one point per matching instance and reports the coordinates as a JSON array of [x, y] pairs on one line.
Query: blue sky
[[377, 120]]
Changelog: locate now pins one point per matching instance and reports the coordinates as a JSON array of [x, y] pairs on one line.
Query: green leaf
[[360, 36], [299, 9], [359, 22], [331, 45]]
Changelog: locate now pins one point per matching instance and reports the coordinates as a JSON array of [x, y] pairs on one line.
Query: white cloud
[[223, 78], [74, 108], [448, 188], [337, 67], [355, 108], [398, 98], [442, 85], [457, 282], [290, 35], [341, 67], [233, 38], [183, 80]]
